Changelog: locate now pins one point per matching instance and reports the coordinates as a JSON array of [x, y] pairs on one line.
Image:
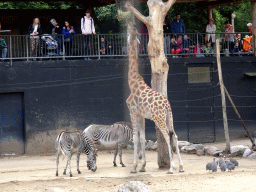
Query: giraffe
[[144, 102]]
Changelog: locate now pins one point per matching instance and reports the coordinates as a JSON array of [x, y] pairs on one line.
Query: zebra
[[75, 142], [115, 135]]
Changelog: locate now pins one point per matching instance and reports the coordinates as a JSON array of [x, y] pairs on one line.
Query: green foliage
[[107, 16]]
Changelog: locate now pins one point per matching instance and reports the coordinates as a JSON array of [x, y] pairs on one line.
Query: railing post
[[11, 49], [99, 46], [63, 48]]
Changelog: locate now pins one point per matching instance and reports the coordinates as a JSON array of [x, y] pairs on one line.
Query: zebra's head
[[91, 160]]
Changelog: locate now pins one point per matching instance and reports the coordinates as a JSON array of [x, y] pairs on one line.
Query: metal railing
[[25, 47]]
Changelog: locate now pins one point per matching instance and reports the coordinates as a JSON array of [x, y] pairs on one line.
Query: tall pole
[[224, 107]]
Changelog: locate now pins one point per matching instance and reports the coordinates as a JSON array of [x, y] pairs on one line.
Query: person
[[230, 38], [211, 30], [56, 31], [247, 45], [177, 26], [3, 48], [34, 30], [166, 27], [174, 47], [208, 50], [179, 43], [198, 50], [0, 26], [106, 48], [88, 30], [226, 30], [249, 25], [68, 31], [185, 45]]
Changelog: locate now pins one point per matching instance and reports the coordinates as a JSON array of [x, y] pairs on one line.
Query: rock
[[192, 148], [154, 147], [238, 150], [217, 153], [210, 150], [252, 156], [134, 186], [129, 146], [149, 145], [200, 152], [183, 143], [247, 152]]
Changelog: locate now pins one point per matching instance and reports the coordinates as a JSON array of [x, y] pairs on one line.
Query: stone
[[210, 150], [129, 146], [217, 153], [247, 152], [200, 152], [238, 150], [192, 148], [134, 186], [149, 145], [252, 156], [183, 143], [154, 147]]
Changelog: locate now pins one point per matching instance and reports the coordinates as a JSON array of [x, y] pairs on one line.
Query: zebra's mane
[[89, 145]]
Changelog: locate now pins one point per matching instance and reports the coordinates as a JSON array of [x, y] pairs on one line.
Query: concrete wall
[[69, 95]]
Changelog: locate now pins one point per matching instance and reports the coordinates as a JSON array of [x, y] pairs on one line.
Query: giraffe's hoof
[[79, 172], [142, 170], [169, 172], [181, 168], [123, 165], [133, 171]]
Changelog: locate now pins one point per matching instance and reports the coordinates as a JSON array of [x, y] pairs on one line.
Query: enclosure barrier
[[25, 47]]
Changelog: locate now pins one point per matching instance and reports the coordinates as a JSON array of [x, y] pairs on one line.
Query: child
[[174, 47], [208, 50], [198, 50], [185, 45], [3, 48]]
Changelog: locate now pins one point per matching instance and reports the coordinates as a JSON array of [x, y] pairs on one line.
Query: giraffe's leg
[[115, 154], [142, 142], [135, 141], [161, 124], [175, 142]]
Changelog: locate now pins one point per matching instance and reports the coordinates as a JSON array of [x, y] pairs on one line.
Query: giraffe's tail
[[169, 123]]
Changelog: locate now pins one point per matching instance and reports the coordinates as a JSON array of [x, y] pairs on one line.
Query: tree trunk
[[159, 65]]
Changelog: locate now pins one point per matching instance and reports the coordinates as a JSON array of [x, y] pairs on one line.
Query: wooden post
[[224, 108], [239, 117]]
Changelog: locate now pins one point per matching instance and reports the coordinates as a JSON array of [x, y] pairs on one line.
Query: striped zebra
[[108, 136], [75, 142]]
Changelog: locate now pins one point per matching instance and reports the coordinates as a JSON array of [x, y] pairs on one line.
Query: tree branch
[[168, 5], [141, 17]]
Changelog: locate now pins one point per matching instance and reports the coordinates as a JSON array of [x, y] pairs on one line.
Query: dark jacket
[[177, 27], [54, 30], [31, 29]]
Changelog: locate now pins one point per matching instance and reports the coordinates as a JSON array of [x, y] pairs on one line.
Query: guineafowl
[[221, 160], [230, 166], [234, 161], [223, 167], [212, 166]]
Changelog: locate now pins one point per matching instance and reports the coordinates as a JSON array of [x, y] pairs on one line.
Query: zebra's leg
[[120, 154], [115, 154], [57, 161], [142, 142], [78, 158], [69, 164], [135, 141]]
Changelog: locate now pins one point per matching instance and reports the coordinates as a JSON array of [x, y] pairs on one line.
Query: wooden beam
[[224, 107], [253, 4]]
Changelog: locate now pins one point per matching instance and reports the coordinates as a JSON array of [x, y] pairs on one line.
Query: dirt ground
[[37, 173]]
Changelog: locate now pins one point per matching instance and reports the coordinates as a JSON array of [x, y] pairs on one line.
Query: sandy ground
[[37, 173]]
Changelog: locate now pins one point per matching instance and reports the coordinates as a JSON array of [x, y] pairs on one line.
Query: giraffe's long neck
[[133, 74]]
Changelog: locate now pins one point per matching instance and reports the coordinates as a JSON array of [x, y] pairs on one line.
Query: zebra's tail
[[59, 147]]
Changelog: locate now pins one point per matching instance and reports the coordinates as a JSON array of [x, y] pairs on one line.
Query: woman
[[211, 30], [34, 30], [230, 38], [68, 31]]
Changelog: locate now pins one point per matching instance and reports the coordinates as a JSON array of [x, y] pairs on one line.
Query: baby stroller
[[50, 46]]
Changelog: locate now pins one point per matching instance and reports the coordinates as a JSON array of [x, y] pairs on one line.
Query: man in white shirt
[[88, 30]]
